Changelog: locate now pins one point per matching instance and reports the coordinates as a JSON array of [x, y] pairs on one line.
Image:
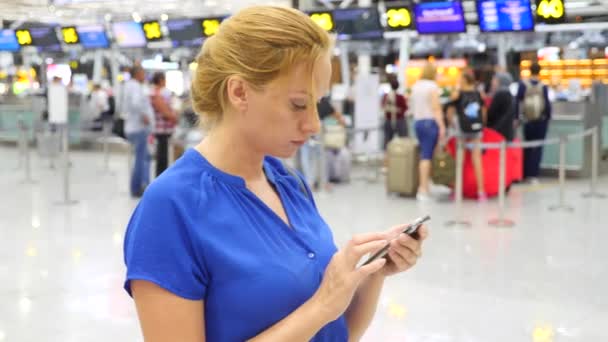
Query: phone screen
[[411, 230]]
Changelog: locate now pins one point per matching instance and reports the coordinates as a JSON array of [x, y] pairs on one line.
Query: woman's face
[[283, 115]]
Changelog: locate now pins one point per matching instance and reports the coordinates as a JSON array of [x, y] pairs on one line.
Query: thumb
[[371, 268]]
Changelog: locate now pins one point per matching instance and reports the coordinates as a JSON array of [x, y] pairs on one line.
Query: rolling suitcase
[[444, 169], [402, 171], [339, 164]]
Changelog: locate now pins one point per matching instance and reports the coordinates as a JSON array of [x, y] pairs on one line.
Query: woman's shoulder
[[185, 184]]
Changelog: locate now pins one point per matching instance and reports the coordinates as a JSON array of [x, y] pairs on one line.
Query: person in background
[[138, 125], [501, 113], [533, 107], [470, 104], [310, 152], [166, 119], [228, 244], [394, 106], [429, 125], [100, 103]]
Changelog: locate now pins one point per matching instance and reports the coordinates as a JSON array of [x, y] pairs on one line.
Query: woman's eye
[[297, 106]]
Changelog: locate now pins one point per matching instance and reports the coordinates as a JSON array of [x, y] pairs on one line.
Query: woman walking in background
[[166, 119], [430, 126]]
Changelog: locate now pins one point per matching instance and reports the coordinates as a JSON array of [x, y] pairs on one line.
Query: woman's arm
[[437, 112], [165, 316], [362, 309], [159, 104]]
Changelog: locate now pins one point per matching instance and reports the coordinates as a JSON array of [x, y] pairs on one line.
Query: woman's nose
[[312, 123]]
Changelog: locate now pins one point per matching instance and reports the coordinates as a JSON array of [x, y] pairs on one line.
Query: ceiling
[[96, 11], [91, 11]]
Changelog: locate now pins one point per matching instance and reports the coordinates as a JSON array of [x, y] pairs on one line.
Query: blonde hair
[[429, 72], [259, 44]]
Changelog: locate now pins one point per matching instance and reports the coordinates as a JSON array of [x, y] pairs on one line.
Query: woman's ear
[[237, 92]]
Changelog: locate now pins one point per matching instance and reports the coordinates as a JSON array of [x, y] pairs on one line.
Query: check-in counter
[[572, 118], [30, 110]]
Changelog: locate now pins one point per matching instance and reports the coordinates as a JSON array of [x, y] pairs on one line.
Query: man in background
[[139, 122], [534, 108]]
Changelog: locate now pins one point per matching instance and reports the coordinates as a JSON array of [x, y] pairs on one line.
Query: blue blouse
[[200, 233]]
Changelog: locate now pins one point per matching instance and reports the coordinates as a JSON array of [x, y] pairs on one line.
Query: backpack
[[534, 101], [469, 112]]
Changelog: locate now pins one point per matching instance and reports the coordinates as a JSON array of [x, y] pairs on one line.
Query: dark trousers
[[399, 127], [162, 153], [536, 130]]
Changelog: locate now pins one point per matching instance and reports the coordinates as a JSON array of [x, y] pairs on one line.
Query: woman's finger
[[407, 254], [398, 260], [371, 268], [410, 243], [357, 252]]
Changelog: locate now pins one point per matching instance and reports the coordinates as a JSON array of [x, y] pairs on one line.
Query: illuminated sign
[[24, 37], [70, 36], [550, 11], [152, 30], [74, 65], [211, 26], [323, 19], [398, 18]]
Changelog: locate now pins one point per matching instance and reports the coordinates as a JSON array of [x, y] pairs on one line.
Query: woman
[[430, 126], [394, 106], [469, 124], [166, 118], [228, 245], [501, 116]]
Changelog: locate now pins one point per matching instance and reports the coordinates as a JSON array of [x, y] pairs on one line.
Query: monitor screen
[[505, 15], [186, 32], [93, 37], [439, 17], [358, 24], [8, 41], [398, 18], [45, 38], [129, 34], [70, 35]]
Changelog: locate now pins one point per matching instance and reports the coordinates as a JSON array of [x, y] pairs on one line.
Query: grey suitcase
[[339, 164], [402, 170]]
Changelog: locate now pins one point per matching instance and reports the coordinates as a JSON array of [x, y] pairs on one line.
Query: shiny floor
[[544, 280]]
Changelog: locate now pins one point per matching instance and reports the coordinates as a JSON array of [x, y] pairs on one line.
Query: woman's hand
[[404, 251], [342, 278]]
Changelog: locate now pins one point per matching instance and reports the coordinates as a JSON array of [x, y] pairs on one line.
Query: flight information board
[[129, 34], [439, 17], [93, 37], [186, 32], [505, 15], [358, 24], [8, 41]]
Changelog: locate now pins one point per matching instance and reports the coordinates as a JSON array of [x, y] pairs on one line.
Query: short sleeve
[[158, 247]]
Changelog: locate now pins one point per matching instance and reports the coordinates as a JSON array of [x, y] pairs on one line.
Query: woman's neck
[[228, 151]]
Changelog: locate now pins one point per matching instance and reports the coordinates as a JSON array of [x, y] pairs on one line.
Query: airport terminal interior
[[516, 188]]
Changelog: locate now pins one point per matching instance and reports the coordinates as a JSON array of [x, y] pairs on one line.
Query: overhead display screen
[[550, 11], [358, 24], [70, 35], [186, 32], [399, 18], [211, 26], [45, 38], [323, 19], [93, 37], [152, 30], [129, 34], [439, 17], [505, 15], [8, 41]]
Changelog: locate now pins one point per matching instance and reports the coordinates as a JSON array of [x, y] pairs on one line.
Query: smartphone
[[411, 230]]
